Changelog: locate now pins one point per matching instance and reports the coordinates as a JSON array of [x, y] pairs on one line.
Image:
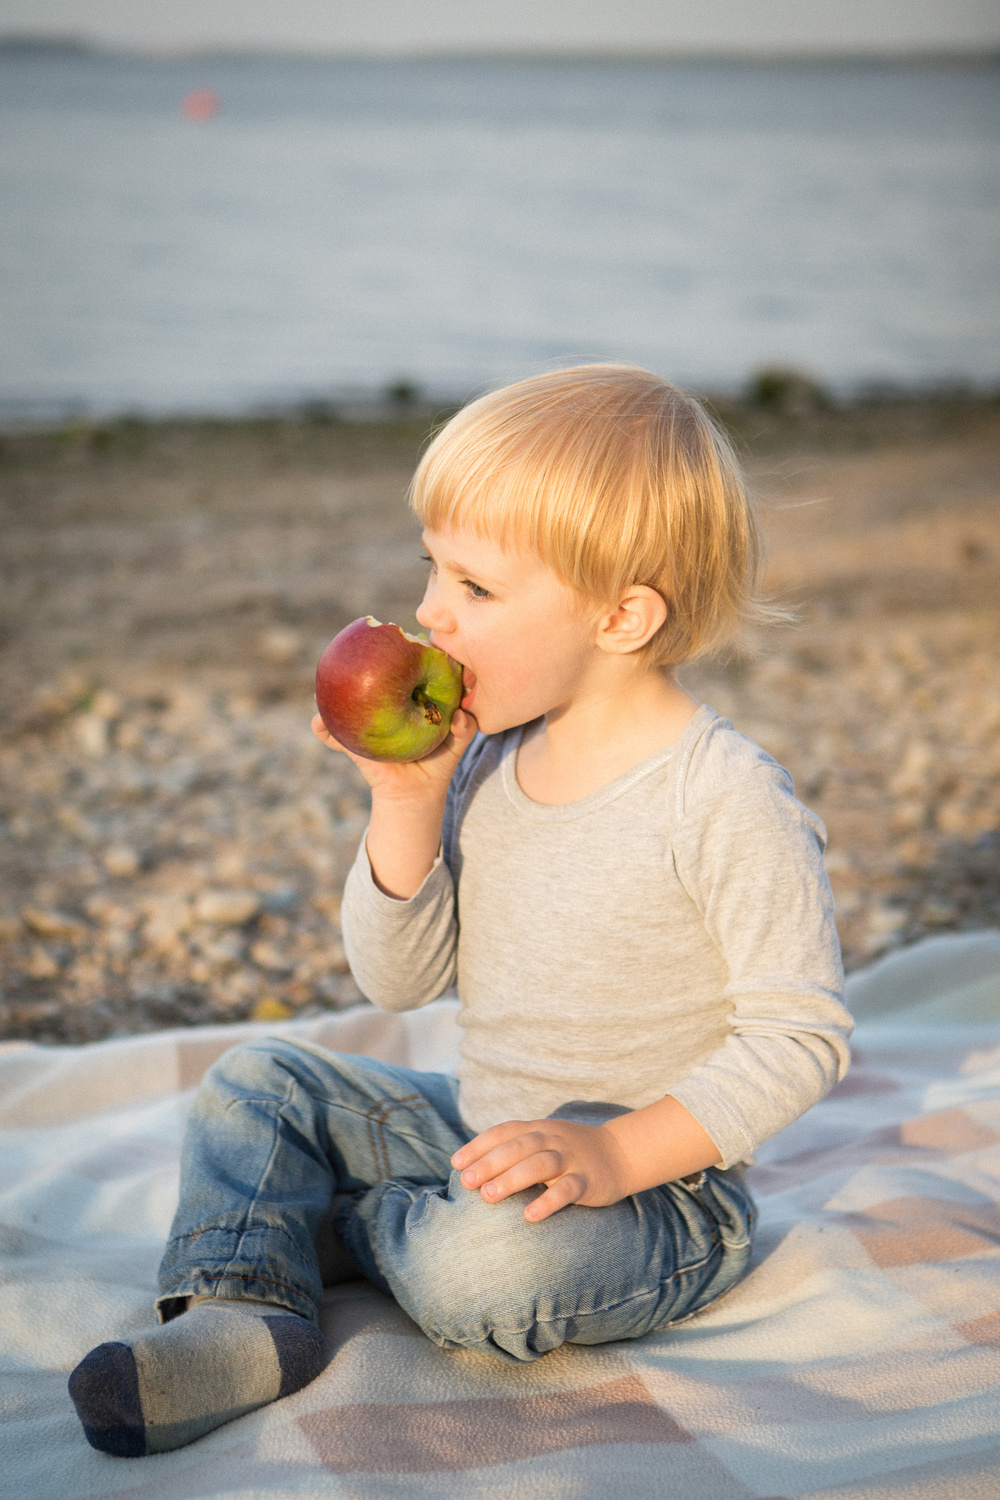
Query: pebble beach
[[173, 841]]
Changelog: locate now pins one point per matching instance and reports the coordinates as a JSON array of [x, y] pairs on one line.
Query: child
[[633, 905]]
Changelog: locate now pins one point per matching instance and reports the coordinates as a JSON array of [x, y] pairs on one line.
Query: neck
[[626, 716]]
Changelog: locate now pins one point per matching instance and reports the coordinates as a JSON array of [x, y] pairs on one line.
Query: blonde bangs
[[612, 477]]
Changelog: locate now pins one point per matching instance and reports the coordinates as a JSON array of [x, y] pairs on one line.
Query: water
[[345, 224]]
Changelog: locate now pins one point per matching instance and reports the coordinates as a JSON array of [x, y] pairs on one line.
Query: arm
[[751, 859], [407, 807], [398, 915]]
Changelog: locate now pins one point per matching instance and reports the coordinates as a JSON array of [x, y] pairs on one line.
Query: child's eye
[[476, 590]]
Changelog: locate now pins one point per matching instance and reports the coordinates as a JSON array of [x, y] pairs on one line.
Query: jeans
[[286, 1140]]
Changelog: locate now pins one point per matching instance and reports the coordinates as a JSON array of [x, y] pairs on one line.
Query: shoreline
[[778, 405]]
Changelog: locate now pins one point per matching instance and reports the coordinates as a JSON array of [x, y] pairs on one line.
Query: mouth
[[469, 686]]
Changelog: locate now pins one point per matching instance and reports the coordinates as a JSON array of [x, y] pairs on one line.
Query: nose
[[433, 613]]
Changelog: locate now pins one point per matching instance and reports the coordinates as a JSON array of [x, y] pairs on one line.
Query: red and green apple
[[385, 694]]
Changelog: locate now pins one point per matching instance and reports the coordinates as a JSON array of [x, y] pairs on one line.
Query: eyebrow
[[458, 567]]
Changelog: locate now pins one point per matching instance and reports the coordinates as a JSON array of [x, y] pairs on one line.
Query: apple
[[385, 694]]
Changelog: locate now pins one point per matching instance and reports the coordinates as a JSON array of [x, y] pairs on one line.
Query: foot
[[217, 1361]]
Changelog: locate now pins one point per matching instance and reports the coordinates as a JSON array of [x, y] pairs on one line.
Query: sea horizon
[[73, 43]]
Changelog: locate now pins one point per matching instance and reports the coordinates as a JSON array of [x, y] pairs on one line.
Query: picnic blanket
[[859, 1358]]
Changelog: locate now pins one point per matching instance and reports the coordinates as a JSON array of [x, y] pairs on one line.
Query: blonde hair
[[612, 477]]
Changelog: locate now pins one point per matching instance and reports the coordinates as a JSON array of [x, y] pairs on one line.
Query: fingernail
[[490, 1190], [469, 1179]]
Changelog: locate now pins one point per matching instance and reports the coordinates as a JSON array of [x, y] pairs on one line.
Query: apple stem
[[431, 711]]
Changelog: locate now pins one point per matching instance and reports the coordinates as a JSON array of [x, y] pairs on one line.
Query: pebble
[[227, 908], [914, 773], [40, 964], [51, 924], [122, 861], [280, 646], [885, 919], [953, 818], [938, 912], [268, 956], [283, 900], [180, 876], [270, 1009], [90, 732], [168, 917]]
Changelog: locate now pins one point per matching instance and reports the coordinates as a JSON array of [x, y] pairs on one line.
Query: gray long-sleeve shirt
[[672, 933]]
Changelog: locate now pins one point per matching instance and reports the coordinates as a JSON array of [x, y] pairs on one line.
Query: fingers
[[544, 1166], [509, 1164], [509, 1159], [570, 1158], [477, 1148], [443, 759], [368, 768], [451, 749], [321, 732], [463, 727], [531, 1146], [566, 1190]]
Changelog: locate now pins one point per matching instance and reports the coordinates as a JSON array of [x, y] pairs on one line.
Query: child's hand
[[404, 779], [595, 1165], [578, 1163]]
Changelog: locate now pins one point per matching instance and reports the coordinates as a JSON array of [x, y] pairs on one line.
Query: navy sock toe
[[105, 1391]]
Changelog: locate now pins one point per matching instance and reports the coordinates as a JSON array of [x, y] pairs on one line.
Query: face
[[525, 640]]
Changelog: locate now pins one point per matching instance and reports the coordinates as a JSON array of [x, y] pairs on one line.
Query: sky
[[393, 26]]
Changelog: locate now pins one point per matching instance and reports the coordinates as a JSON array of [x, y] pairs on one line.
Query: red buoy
[[200, 105]]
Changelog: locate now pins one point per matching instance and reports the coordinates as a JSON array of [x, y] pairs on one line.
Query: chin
[[494, 724], [486, 722]]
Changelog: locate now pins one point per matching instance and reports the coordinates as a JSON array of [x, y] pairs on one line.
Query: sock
[[217, 1361]]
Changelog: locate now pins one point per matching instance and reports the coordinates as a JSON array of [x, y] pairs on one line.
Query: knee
[[481, 1275], [257, 1069]]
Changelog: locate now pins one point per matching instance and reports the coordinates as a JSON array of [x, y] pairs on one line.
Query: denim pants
[[286, 1138]]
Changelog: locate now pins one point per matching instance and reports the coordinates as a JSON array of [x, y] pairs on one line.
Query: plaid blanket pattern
[[860, 1358]]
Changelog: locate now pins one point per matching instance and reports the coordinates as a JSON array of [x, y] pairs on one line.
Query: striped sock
[[215, 1362]]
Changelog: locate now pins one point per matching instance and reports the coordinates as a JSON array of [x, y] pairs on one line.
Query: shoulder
[[738, 826], [723, 773], [715, 757]]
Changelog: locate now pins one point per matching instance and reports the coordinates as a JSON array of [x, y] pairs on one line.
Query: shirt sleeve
[[750, 858], [402, 953]]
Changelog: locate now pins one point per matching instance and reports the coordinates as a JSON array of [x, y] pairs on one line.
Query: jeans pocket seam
[[376, 1117]]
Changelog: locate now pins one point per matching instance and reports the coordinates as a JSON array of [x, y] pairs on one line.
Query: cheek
[[532, 657], [499, 665], [524, 678]]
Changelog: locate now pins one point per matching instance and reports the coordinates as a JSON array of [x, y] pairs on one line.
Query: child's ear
[[633, 621]]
